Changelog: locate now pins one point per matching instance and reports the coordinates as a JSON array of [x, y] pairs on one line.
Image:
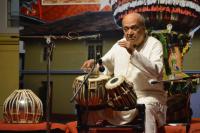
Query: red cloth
[[72, 127], [31, 127], [195, 126], [174, 129]]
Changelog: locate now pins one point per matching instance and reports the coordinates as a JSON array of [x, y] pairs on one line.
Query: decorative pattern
[[96, 90], [184, 15], [175, 46], [66, 2]]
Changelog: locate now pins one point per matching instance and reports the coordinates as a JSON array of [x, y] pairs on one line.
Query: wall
[[192, 63], [3, 15], [9, 57], [9, 67]]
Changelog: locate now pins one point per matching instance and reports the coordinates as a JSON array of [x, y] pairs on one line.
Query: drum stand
[[137, 126]]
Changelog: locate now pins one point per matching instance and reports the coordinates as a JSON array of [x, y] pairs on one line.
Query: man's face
[[133, 30]]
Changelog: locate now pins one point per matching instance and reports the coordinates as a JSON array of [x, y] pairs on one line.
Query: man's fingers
[[87, 64], [123, 44], [84, 65], [126, 44]]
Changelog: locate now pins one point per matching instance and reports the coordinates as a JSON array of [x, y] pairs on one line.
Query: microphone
[[101, 67], [89, 37], [99, 61]]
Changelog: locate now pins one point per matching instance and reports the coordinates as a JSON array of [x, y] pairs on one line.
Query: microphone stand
[[50, 46], [85, 83], [86, 78]]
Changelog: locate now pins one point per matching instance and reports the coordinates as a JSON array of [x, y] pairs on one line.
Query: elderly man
[[139, 58]]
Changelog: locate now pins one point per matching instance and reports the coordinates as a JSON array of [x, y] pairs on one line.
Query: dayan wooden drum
[[120, 93], [96, 90], [22, 106]]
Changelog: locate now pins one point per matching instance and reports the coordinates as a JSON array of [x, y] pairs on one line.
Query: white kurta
[[145, 64]]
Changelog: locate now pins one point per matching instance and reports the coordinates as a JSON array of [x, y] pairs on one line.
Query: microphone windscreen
[[100, 61], [101, 68]]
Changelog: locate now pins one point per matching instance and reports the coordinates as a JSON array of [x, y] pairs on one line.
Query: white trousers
[[155, 117]]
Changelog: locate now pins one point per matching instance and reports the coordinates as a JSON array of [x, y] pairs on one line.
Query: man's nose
[[130, 31]]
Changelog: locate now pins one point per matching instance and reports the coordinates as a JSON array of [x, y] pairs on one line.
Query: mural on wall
[[71, 16], [51, 10], [69, 2]]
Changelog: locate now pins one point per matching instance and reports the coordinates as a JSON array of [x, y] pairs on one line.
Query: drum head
[[114, 82], [92, 79]]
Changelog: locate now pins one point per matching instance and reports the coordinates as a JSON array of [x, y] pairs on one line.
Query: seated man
[[139, 58]]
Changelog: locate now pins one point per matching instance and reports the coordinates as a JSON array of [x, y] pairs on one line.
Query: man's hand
[[128, 45], [87, 65]]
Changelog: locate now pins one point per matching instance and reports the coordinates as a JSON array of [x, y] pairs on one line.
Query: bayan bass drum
[[120, 93]]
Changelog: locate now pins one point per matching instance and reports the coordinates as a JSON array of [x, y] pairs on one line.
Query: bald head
[[134, 17], [133, 26]]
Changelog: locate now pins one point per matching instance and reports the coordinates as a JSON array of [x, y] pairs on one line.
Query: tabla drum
[[120, 93], [96, 90]]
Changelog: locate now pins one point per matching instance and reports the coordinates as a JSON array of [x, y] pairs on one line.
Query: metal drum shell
[[22, 106]]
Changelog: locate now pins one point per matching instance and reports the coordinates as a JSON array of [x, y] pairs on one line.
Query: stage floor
[[70, 127]]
